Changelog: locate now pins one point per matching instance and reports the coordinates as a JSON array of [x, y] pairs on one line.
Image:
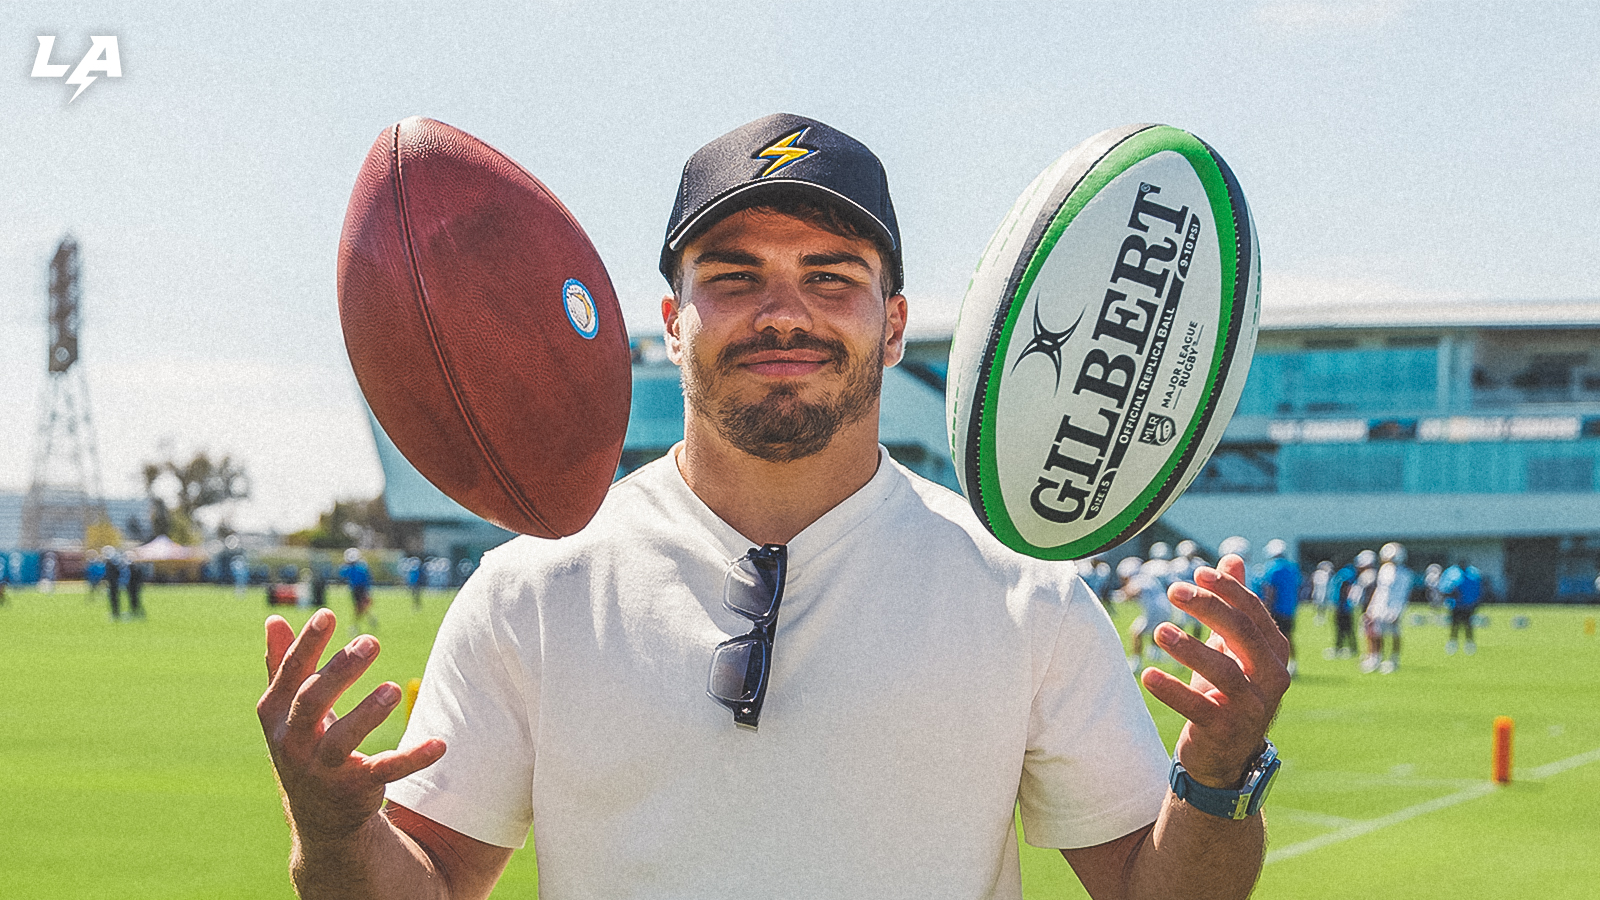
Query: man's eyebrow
[[834, 259], [730, 257]]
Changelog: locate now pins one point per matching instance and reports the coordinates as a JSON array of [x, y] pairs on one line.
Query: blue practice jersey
[[1280, 586], [1461, 586]]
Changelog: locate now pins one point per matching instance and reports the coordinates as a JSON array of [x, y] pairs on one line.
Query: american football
[[483, 329]]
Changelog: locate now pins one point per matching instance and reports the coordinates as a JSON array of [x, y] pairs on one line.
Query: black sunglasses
[[740, 666]]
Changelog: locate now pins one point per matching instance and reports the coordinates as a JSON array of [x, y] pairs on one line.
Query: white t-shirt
[[925, 679], [1154, 607], [1390, 592]]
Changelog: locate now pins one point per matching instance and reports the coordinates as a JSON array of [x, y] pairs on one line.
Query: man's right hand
[[330, 790]]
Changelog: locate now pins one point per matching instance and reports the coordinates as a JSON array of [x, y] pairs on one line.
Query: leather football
[[483, 329]]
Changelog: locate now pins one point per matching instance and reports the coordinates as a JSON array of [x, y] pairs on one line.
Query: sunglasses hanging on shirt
[[741, 666]]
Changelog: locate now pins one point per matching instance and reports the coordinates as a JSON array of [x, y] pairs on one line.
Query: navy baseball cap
[[778, 154]]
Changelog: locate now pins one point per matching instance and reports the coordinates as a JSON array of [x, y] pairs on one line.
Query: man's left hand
[[1240, 674]]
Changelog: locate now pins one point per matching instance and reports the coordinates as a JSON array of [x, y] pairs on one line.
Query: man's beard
[[781, 427]]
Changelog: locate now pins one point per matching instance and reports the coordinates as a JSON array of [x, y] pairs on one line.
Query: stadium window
[[1342, 469], [1549, 376], [1239, 469], [1560, 474]]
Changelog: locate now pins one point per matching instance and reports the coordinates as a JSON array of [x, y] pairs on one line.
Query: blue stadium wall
[[1476, 442]]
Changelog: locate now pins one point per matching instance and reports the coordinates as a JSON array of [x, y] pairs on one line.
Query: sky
[[1390, 152]]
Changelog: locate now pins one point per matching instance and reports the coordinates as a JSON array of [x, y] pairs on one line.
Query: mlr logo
[[102, 57]]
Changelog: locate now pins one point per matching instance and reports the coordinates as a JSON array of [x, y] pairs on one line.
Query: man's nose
[[783, 308]]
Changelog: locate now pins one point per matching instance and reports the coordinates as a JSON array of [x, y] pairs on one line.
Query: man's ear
[[894, 330], [670, 318]]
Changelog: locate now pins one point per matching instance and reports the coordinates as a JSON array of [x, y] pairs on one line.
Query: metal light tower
[[64, 495]]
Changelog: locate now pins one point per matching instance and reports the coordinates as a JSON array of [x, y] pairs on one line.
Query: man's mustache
[[730, 355]]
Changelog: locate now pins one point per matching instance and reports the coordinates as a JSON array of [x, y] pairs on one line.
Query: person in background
[[1141, 583], [1181, 568], [1097, 575], [319, 586], [1186, 560], [1462, 588], [411, 568], [1430, 584], [1321, 599], [114, 583], [302, 588], [356, 574], [1391, 591], [133, 576], [94, 571], [47, 573], [1279, 589], [241, 574]]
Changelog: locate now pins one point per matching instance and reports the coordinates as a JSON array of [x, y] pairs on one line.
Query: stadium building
[[1463, 430]]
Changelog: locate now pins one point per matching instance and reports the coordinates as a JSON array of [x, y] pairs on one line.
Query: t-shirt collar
[[816, 537]]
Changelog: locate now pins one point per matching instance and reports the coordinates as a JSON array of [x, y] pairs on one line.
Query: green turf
[[132, 764]]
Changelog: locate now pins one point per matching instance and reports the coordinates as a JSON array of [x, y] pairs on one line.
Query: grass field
[[132, 765]]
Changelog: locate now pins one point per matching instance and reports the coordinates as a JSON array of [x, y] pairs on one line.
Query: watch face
[[1264, 785]]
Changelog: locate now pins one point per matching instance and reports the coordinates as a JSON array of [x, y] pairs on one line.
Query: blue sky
[[1390, 152]]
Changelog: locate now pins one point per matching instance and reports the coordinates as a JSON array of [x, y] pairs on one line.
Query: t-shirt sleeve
[[1095, 767], [479, 696]]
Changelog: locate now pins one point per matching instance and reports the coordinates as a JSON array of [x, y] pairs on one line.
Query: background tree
[[180, 489], [102, 533], [358, 523]]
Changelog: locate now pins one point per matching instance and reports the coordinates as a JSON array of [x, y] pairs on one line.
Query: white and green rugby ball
[[1104, 342]]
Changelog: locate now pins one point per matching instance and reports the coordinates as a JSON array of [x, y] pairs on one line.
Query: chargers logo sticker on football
[[581, 311]]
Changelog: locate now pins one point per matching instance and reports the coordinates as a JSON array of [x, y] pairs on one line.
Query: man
[[1141, 583], [1462, 586], [116, 577], [1321, 598], [1391, 591], [921, 681], [133, 575], [358, 576], [1279, 589]]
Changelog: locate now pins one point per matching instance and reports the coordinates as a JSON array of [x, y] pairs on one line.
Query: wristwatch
[[1229, 804]]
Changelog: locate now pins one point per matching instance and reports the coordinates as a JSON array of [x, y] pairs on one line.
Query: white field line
[[1357, 829], [1323, 820], [1561, 765], [1360, 828]]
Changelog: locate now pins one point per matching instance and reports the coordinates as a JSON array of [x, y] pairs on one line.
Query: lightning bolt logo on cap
[[783, 152]]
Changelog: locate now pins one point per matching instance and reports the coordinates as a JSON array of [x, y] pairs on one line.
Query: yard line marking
[[1311, 818], [1358, 829], [1559, 766]]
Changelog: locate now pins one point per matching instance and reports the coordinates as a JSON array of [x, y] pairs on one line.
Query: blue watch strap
[[1229, 804]]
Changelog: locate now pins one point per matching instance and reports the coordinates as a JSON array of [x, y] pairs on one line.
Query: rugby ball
[[483, 329], [1103, 342]]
